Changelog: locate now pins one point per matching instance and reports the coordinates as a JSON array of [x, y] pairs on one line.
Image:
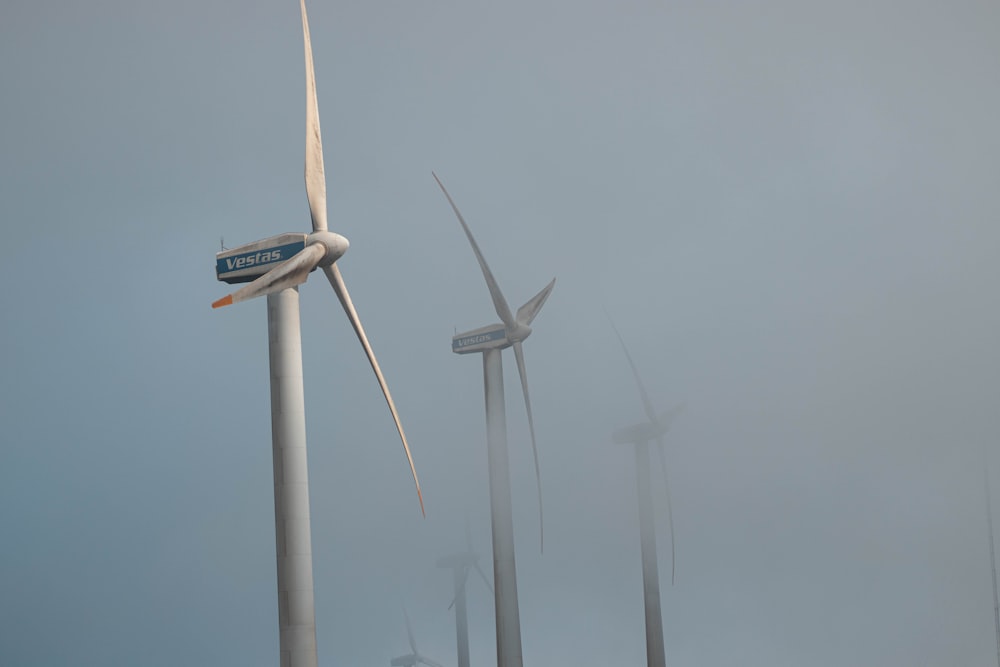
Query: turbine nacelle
[[491, 337], [647, 431], [639, 433], [252, 260]]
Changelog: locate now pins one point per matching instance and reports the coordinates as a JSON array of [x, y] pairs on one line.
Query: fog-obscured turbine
[[490, 340], [416, 657], [993, 561], [275, 267], [460, 564], [640, 435]]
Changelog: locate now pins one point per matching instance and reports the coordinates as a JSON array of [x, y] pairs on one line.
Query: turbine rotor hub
[[518, 333], [335, 245]]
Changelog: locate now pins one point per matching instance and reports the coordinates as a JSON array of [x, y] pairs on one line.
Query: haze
[[790, 209]]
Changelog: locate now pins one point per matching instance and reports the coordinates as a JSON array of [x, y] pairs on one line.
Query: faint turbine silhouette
[[993, 562], [639, 435]]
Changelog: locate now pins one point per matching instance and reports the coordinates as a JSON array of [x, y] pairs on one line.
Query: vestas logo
[[246, 261], [472, 340], [256, 258], [476, 339]]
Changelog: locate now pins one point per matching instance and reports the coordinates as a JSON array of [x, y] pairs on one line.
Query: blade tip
[[224, 301]]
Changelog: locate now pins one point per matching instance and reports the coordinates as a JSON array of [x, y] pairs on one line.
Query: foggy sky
[[790, 209]]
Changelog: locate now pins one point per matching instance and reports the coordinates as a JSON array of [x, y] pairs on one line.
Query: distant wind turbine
[[460, 564], [275, 267], [490, 340], [640, 435], [993, 562], [416, 657]]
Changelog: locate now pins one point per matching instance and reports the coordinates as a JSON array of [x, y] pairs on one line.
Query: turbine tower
[[640, 435], [275, 267], [490, 340], [414, 658], [459, 564]]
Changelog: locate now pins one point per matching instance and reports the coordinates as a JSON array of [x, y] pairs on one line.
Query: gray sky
[[789, 208]]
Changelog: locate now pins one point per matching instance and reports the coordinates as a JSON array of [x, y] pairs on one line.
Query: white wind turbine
[[640, 435], [275, 267], [460, 563], [490, 340], [416, 657]]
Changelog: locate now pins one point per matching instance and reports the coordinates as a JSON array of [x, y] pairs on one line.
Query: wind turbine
[[460, 563], [414, 658], [993, 562], [640, 435], [275, 267], [490, 340]]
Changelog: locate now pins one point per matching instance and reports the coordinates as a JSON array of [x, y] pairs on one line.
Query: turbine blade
[[409, 633], [527, 312], [315, 176], [499, 302], [519, 355], [486, 579], [670, 511], [461, 585], [337, 282], [667, 417], [292, 272], [646, 403], [428, 661]]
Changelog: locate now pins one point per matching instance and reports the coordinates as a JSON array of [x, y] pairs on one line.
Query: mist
[[789, 210]]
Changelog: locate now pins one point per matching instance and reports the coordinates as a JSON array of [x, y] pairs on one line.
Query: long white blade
[[670, 511], [646, 403], [428, 661], [337, 282], [519, 355], [526, 313], [499, 302], [409, 633], [315, 176], [287, 274]]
